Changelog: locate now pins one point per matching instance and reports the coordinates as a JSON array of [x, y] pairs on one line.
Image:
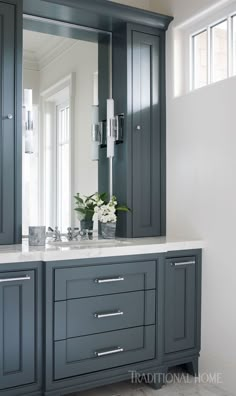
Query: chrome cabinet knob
[[138, 128], [9, 116]]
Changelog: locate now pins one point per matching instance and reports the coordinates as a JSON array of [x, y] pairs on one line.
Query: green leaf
[[79, 199], [123, 208], [81, 210]]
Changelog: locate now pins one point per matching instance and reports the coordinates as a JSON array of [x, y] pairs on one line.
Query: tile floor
[[179, 388]]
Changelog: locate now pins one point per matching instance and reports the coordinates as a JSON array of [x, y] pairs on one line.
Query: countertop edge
[[58, 254]]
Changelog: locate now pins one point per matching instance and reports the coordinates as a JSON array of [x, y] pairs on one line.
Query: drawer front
[[104, 279], [88, 354], [84, 316]]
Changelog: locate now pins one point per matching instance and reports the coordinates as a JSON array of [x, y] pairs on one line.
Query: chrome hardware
[[138, 128], [55, 234], [110, 280], [10, 116], [109, 352], [119, 128], [96, 134], [108, 314], [21, 278], [192, 262], [72, 234]]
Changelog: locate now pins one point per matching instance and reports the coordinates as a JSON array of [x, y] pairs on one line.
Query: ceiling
[[181, 10], [39, 49]]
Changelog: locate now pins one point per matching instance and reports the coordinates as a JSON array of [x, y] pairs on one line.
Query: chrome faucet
[[72, 233], [55, 234]]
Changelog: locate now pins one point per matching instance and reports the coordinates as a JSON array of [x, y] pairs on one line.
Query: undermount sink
[[93, 243]]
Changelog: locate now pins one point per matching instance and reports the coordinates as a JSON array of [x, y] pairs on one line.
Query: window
[[63, 166], [213, 53], [234, 43], [219, 56], [30, 178], [200, 59]]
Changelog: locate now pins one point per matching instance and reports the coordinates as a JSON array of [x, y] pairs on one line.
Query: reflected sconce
[[95, 134], [28, 121], [110, 128], [106, 133]]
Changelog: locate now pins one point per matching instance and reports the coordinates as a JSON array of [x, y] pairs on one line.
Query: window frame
[[62, 106], [231, 63]]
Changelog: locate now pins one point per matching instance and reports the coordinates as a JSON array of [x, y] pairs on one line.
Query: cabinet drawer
[[104, 279], [84, 316], [82, 355]]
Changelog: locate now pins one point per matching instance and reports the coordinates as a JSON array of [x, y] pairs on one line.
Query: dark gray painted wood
[[17, 333], [18, 121], [71, 380], [98, 14], [32, 388], [146, 141], [81, 281], [10, 129], [7, 106], [71, 360], [139, 164], [68, 314], [76, 32], [180, 304]]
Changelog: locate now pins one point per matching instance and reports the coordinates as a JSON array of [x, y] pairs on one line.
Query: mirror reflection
[[60, 88]]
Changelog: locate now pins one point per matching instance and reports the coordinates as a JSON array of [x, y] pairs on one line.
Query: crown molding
[[39, 60]]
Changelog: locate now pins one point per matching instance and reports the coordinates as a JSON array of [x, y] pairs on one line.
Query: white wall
[[135, 3], [31, 81], [201, 196], [181, 9]]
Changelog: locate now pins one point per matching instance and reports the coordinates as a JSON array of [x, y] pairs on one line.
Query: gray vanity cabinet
[[10, 128], [139, 164], [19, 330], [182, 304]]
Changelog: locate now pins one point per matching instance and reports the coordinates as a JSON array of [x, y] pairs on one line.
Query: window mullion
[[209, 55], [230, 47]]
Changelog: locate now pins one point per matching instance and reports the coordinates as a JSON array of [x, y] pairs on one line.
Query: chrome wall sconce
[[28, 121], [106, 133]]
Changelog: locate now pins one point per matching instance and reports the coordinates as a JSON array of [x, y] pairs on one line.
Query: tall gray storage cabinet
[[10, 131], [139, 164]]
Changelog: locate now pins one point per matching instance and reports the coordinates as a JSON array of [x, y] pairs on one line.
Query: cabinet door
[[181, 304], [146, 132], [17, 330], [7, 119]]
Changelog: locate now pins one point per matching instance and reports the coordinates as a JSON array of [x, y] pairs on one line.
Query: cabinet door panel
[[146, 135], [180, 304], [17, 332], [7, 107]]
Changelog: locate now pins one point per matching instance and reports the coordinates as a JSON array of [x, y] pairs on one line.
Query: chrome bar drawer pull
[[108, 314], [184, 263], [23, 278], [109, 280], [109, 352]]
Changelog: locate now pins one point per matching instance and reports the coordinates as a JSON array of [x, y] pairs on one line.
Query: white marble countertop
[[94, 249]]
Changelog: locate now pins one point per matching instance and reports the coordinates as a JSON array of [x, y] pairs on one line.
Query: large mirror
[[60, 95]]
